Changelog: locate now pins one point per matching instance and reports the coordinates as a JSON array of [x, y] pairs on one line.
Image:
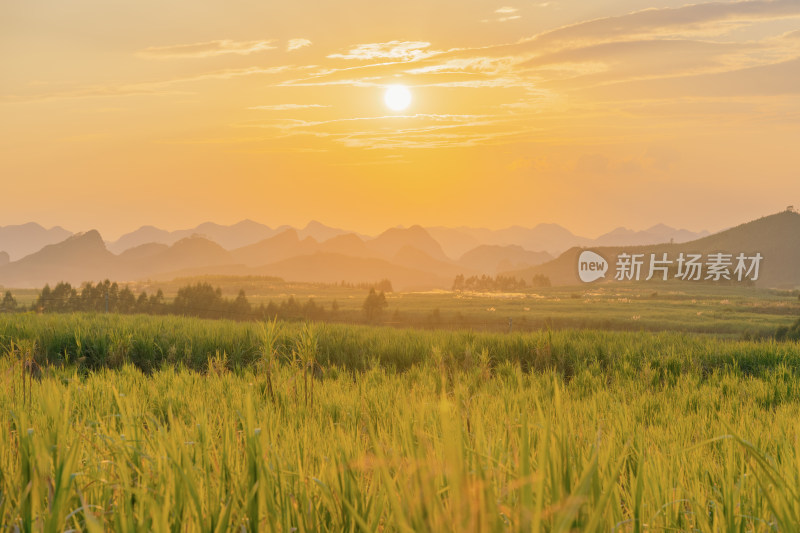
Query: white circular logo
[[591, 266]]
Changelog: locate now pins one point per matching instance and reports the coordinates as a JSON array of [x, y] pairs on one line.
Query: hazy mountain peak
[[249, 224], [196, 239], [392, 240], [24, 239], [287, 234], [229, 237], [91, 236], [660, 228], [493, 258], [320, 232], [208, 226]]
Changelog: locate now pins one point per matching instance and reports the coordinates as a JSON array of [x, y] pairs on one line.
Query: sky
[[589, 114]]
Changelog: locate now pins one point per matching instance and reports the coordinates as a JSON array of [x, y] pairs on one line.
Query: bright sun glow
[[397, 97]]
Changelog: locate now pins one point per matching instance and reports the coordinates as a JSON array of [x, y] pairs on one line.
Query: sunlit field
[[731, 311], [168, 423], [411, 266]]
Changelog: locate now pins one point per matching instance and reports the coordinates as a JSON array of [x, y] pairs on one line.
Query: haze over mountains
[[24, 239], [412, 258], [776, 237]]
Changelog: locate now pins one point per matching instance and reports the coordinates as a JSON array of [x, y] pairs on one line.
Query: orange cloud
[[295, 44], [208, 49], [394, 50]]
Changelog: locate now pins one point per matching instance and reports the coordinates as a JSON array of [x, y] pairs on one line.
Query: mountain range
[[412, 258], [409, 257], [21, 240], [24, 239]]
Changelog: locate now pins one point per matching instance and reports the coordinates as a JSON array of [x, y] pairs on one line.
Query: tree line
[[498, 283], [383, 285], [199, 300]]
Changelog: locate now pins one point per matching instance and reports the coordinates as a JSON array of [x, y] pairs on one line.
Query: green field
[[136, 423], [654, 306], [731, 311]]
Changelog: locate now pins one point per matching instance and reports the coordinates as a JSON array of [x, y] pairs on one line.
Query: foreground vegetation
[[294, 427]]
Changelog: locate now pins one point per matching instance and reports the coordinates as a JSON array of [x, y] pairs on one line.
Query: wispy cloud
[[295, 44], [286, 107], [394, 50], [416, 131], [147, 87], [713, 18], [208, 49], [782, 78], [506, 13]]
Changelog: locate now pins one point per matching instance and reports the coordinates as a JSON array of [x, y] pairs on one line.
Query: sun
[[397, 97]]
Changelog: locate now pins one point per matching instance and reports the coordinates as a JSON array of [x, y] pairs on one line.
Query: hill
[[281, 246], [229, 237], [416, 259], [552, 238], [491, 259], [81, 257], [190, 252], [657, 234], [320, 232], [391, 241], [24, 239], [776, 237]]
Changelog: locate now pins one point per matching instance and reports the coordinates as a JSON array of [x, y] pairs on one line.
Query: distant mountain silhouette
[[776, 237], [276, 248], [142, 252], [186, 253], [551, 238], [81, 257], [409, 257], [143, 235], [414, 258], [454, 241], [21, 240], [229, 237], [391, 241], [347, 244], [658, 234], [493, 258], [320, 232], [234, 236]]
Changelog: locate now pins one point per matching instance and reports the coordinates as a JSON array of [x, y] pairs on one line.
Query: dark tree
[[374, 305], [199, 300], [540, 280], [9, 303], [240, 307]]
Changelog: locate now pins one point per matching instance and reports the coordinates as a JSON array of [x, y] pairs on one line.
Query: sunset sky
[[590, 114]]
